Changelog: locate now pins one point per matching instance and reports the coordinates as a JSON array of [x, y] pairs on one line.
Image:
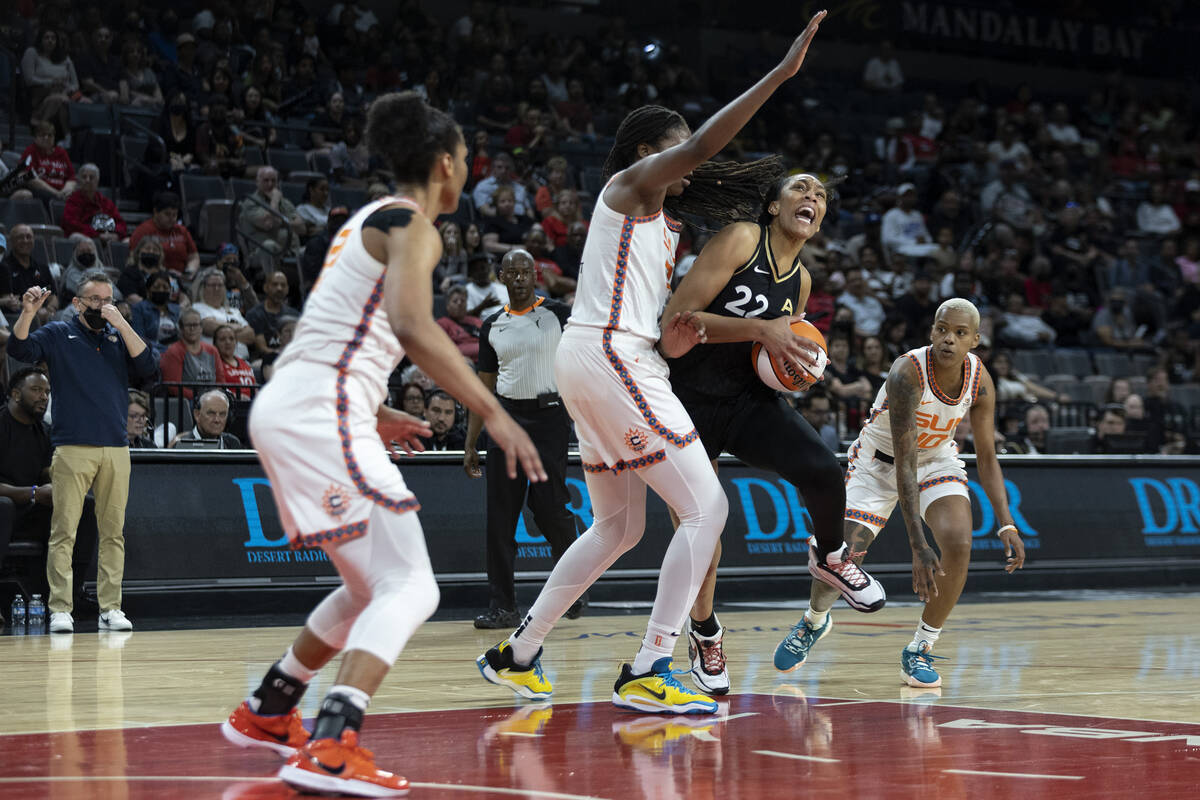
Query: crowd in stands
[[1073, 223]]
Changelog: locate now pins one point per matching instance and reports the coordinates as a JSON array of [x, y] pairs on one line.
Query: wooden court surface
[[1097, 698]]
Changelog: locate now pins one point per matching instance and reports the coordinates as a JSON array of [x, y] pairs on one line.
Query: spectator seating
[[287, 161], [196, 190], [1115, 365], [1066, 441], [1073, 362]]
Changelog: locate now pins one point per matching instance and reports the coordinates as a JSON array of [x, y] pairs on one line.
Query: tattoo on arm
[[903, 399]]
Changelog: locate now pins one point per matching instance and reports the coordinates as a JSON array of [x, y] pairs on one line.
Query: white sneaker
[[708, 662], [861, 591], [61, 622], [115, 620]]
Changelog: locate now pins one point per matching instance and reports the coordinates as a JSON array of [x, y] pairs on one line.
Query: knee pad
[[333, 617], [397, 609]]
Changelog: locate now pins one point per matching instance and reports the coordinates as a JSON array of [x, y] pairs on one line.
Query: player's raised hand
[[926, 568], [682, 332], [399, 429], [517, 446], [1014, 549], [790, 64]]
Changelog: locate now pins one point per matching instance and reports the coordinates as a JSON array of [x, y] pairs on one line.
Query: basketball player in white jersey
[[320, 427], [906, 453], [633, 432]]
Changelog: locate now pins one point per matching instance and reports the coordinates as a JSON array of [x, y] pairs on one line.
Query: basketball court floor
[[1089, 698]]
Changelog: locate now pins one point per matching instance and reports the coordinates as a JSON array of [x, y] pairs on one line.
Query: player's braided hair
[[720, 192]]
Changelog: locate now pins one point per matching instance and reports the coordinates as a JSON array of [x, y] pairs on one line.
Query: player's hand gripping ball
[[784, 375]]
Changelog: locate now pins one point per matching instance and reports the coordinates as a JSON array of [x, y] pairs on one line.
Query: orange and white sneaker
[[340, 767], [283, 733]]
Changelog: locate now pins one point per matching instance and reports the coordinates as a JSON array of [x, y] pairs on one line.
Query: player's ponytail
[[723, 192], [409, 135]]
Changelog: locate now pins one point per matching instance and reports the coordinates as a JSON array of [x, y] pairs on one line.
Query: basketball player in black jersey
[[748, 285]]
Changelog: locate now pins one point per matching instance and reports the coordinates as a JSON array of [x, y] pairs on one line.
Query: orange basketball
[[787, 376]]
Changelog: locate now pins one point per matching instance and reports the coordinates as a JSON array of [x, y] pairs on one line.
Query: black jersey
[[759, 288]]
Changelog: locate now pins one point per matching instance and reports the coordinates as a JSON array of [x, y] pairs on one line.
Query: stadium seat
[[1114, 365], [1060, 383], [320, 162], [292, 191], [1099, 386], [352, 199], [1137, 384], [253, 156], [1142, 362], [196, 191], [1036, 362], [118, 254], [1073, 362], [10, 158], [64, 250], [28, 211], [1186, 394], [97, 118], [287, 161], [214, 226], [56, 211], [242, 187], [1066, 441], [1083, 392]]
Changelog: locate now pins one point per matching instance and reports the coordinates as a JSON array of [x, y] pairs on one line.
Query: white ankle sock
[[290, 665], [927, 635], [817, 618], [357, 696], [527, 640], [659, 642]]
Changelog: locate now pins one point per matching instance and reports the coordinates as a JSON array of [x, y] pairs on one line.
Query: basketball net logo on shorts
[[335, 501], [637, 439]]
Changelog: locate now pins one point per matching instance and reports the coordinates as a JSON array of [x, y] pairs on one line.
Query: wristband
[[1004, 528], [33, 494]]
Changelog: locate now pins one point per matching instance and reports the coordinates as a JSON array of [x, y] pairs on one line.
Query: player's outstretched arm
[[983, 415], [903, 397], [412, 253], [649, 178]]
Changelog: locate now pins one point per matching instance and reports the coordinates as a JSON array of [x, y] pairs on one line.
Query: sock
[[281, 688], [707, 628], [290, 665], [926, 635], [816, 618], [527, 640], [659, 642], [342, 708]]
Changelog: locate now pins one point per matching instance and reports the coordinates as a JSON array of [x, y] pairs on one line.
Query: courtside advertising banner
[[210, 517]]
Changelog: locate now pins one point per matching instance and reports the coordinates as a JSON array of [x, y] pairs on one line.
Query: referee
[[516, 361]]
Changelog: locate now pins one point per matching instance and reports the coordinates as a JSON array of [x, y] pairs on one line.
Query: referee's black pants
[[550, 430]]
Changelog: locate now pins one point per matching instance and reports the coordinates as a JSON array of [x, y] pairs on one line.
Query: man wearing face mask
[[20, 268], [143, 265], [90, 358]]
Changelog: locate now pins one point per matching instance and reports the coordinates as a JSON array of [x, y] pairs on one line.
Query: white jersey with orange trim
[[314, 423], [344, 320], [625, 271], [937, 414]]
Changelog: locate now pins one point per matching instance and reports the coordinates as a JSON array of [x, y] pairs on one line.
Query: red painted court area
[[762, 746]]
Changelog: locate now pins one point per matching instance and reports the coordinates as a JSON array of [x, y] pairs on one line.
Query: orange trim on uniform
[[614, 319], [929, 484], [523, 312], [975, 382], [344, 533], [620, 466], [920, 371], [933, 384]]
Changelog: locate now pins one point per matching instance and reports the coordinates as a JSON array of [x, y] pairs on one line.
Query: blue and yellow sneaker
[[658, 692], [497, 666], [792, 652], [916, 666]]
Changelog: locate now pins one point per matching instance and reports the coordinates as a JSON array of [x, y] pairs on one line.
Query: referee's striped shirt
[[519, 347]]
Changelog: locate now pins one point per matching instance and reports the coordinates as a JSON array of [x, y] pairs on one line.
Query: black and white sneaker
[[861, 591], [708, 662]]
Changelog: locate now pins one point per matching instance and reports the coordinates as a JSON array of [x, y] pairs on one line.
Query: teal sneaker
[[916, 666], [792, 652]]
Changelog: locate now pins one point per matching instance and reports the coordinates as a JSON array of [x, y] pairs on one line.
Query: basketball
[[786, 376]]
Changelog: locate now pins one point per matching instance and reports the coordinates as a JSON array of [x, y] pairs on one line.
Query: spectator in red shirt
[[179, 249], [89, 214], [558, 220], [190, 359], [556, 181], [230, 368], [462, 329], [50, 164], [549, 274], [481, 164], [575, 112]]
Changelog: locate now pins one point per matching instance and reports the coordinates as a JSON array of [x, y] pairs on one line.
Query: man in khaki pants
[[90, 358]]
